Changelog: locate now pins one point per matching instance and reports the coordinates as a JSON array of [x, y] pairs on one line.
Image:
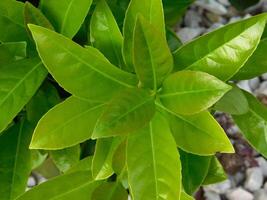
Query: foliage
[[109, 109]]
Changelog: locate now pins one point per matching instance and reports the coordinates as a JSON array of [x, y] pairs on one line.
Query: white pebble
[[219, 188], [192, 19], [212, 6], [239, 194], [262, 90], [260, 195], [254, 179], [244, 85], [263, 165], [187, 34], [224, 2], [212, 196], [31, 182], [264, 76], [254, 83]]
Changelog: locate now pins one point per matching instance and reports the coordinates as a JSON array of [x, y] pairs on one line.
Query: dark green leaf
[[127, 112], [243, 4], [110, 191], [173, 41], [189, 92], [12, 51], [153, 163]]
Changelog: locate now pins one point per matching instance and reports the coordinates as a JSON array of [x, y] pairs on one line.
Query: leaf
[[153, 163], [256, 64], [233, 102], [79, 70], [209, 137], [151, 55], [64, 159], [243, 4], [19, 81], [12, 51], [152, 11], [227, 49], [15, 165], [66, 16], [33, 15], [59, 188], [102, 160], [215, 173], [194, 170], [44, 99], [253, 124], [173, 41], [48, 169], [189, 92], [105, 34], [127, 112], [83, 165], [37, 158], [71, 116], [174, 10], [13, 10], [119, 158], [185, 196], [110, 191]]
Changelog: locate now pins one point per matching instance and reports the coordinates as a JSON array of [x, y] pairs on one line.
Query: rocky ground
[[246, 168]]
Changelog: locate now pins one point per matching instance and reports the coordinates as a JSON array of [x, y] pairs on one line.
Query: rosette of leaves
[[146, 107]]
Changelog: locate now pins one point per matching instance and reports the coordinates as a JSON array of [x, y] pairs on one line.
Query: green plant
[[135, 117]]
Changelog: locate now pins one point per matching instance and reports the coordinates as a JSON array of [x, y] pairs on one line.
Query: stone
[[262, 90], [244, 85], [219, 188], [214, 26], [31, 182], [263, 165], [265, 186], [254, 83], [212, 6], [186, 34], [238, 178], [260, 195], [254, 179], [224, 2], [239, 194], [211, 195], [192, 19], [264, 76]]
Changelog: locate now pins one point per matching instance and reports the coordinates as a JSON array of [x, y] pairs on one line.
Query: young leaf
[[153, 162], [226, 49], [77, 185], [64, 159], [174, 10], [66, 16], [253, 124], [110, 191], [15, 165], [127, 112], [55, 129], [194, 170], [33, 15], [12, 51], [151, 55], [209, 137], [152, 11], [105, 34], [79, 69], [215, 173], [256, 64], [233, 102], [19, 81], [189, 92], [102, 160]]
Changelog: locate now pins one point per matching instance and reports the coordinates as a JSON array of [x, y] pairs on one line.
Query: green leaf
[[110, 191], [78, 185], [194, 170], [119, 158], [209, 137], [55, 129], [151, 55], [174, 10], [12, 51], [127, 112], [153, 163], [152, 11], [48, 169], [19, 81], [215, 173], [185, 196], [253, 124], [83, 165], [233, 102], [256, 64], [33, 15], [102, 160], [105, 34], [227, 49], [64, 159], [66, 16], [44, 99], [11, 18], [243, 4], [173, 41], [37, 158], [189, 92], [79, 69], [15, 165]]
